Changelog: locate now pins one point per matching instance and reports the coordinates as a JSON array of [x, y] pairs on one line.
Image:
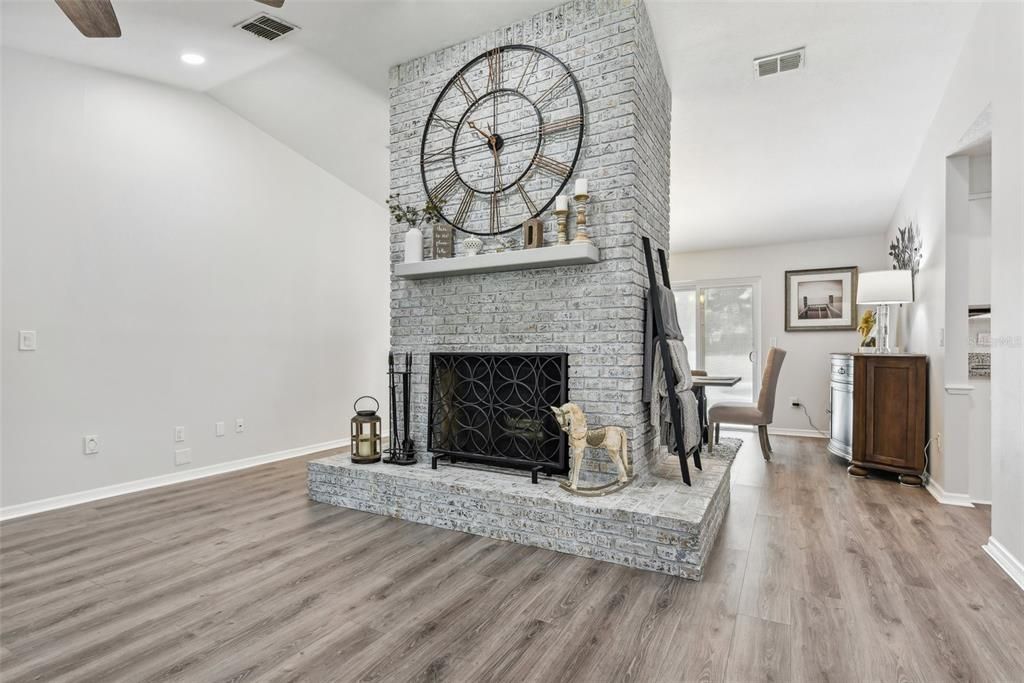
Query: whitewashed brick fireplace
[[593, 312]]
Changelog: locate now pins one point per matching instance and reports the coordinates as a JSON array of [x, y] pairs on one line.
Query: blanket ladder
[[675, 409]]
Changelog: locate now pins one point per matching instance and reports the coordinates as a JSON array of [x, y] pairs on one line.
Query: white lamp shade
[[885, 287]]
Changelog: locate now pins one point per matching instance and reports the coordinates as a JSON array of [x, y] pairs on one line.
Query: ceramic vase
[[472, 245], [414, 245]]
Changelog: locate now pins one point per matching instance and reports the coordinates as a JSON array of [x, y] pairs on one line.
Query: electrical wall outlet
[[179, 434], [938, 441], [218, 429], [239, 425], [26, 340], [91, 444], [794, 401], [182, 456]]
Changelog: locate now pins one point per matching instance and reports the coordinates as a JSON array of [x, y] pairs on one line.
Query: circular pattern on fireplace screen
[[489, 406]]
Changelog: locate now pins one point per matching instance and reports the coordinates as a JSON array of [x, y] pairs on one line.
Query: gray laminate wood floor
[[815, 577]]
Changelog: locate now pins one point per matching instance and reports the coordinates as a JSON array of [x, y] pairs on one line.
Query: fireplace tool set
[[400, 451]]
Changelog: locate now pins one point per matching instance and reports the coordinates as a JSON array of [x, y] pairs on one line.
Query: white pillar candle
[[413, 246], [581, 186], [562, 203]]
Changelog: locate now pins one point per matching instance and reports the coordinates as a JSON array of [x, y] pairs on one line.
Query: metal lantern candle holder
[[365, 433]]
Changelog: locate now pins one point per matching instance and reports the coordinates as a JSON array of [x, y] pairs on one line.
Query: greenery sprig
[[410, 215]]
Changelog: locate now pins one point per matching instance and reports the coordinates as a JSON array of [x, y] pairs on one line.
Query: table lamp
[[882, 288]]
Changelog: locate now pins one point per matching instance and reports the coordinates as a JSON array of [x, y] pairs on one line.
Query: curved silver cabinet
[[841, 406]]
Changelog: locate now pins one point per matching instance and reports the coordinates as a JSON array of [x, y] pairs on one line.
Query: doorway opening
[[966, 406]]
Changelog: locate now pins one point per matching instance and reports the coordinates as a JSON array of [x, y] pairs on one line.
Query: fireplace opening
[[495, 408]]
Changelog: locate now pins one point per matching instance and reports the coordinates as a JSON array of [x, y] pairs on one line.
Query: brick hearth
[[657, 523]]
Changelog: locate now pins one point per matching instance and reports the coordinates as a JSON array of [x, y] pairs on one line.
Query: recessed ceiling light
[[193, 59]]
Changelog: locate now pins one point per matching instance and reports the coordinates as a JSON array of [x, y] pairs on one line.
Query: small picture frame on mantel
[[821, 299], [442, 242]]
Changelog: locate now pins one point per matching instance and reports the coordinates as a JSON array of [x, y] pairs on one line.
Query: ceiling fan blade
[[94, 18], [273, 3]]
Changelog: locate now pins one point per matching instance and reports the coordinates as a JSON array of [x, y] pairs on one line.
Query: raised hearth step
[[657, 523]]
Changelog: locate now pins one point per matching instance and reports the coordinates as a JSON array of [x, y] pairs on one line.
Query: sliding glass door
[[720, 321]]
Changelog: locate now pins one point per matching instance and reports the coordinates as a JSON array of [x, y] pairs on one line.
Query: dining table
[[700, 384]]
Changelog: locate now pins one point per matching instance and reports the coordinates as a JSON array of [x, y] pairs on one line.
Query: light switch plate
[[179, 434], [218, 429], [182, 456], [26, 340]]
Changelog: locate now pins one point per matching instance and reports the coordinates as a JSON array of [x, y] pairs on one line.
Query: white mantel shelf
[[518, 259]]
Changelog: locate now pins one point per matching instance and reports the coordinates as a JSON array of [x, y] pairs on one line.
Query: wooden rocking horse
[[613, 439]]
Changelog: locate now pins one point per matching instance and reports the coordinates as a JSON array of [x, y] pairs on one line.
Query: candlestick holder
[[581, 218], [562, 215]]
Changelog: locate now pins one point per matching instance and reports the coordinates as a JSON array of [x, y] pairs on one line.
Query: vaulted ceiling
[[811, 154]]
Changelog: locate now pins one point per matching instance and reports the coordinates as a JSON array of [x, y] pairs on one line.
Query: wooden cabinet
[[890, 397]]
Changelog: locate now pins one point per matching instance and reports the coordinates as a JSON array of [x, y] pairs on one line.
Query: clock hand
[[499, 181], [463, 148], [490, 138]]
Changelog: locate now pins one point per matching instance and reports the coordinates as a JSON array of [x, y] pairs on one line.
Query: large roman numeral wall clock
[[502, 139]]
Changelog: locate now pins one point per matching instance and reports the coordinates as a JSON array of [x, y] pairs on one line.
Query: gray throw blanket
[[660, 407], [670, 321]]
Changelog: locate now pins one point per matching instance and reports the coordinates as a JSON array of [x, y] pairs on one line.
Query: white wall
[[979, 252], [320, 112], [181, 267], [805, 373], [979, 292], [989, 73]]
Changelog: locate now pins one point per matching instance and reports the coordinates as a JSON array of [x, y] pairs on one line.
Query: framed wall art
[[822, 299]]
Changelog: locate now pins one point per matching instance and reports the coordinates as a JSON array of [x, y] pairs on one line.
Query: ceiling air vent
[[791, 60], [266, 26]]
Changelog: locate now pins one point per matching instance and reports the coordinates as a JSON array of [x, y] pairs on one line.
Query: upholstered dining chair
[[758, 414]]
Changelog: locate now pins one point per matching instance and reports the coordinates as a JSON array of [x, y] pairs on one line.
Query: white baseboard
[[67, 500], [938, 493], [784, 431], [1013, 567], [777, 431]]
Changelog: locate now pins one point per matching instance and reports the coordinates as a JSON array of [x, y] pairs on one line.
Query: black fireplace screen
[[495, 408]]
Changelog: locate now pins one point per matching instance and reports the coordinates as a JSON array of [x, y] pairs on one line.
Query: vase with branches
[[906, 251], [413, 217]]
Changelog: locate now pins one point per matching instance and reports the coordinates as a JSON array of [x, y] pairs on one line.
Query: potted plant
[[413, 217], [906, 251]]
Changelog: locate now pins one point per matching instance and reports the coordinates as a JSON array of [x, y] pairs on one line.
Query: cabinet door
[[889, 405], [841, 401]]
